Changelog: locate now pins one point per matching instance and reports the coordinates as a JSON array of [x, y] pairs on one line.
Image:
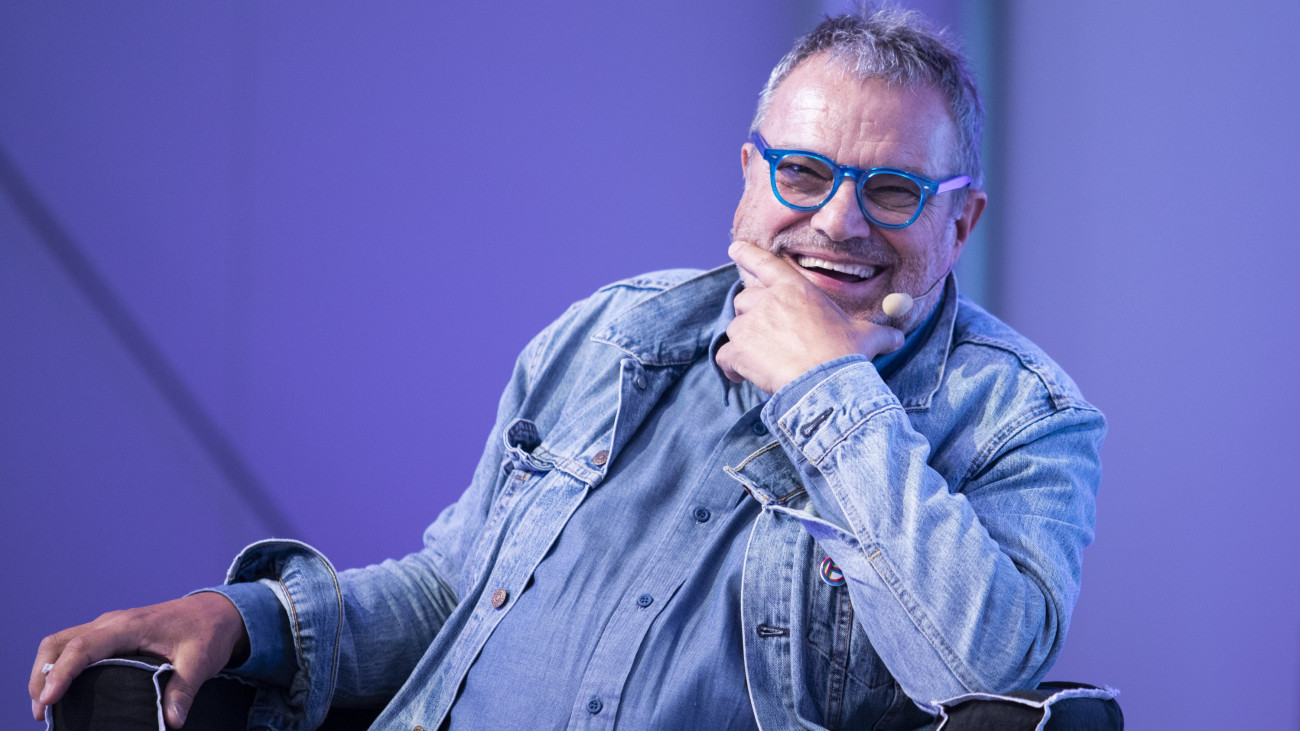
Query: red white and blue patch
[[831, 573]]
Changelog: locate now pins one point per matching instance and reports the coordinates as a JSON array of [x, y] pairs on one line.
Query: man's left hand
[[785, 325]]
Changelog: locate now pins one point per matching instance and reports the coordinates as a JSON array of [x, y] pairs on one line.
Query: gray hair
[[900, 48]]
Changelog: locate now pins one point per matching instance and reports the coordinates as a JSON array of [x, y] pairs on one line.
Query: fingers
[[60, 659], [763, 265], [724, 359], [881, 339], [178, 697]]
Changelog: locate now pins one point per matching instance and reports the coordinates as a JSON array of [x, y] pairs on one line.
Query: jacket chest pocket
[[524, 471]]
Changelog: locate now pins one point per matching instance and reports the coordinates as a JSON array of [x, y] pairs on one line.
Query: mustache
[[809, 241]]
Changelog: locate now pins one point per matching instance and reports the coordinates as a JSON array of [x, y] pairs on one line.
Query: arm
[[199, 634], [965, 584], [963, 581], [358, 634], [355, 636]]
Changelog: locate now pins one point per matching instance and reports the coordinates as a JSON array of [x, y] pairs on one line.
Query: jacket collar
[[916, 382], [672, 327]]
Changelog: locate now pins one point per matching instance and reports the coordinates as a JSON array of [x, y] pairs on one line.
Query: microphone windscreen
[[897, 304]]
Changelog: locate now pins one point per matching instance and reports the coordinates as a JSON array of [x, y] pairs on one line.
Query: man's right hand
[[198, 635]]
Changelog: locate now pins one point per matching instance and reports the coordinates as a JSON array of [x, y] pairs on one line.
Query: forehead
[[863, 122]]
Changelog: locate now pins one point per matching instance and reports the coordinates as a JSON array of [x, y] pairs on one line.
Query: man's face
[[820, 108]]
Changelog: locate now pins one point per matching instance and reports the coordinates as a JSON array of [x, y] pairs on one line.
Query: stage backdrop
[[264, 269]]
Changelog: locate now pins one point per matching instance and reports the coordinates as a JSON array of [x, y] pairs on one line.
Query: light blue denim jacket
[[957, 499]]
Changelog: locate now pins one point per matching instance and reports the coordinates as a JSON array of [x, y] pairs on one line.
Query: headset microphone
[[898, 304]]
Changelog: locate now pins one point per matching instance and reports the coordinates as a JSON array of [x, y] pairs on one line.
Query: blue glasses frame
[[929, 188]]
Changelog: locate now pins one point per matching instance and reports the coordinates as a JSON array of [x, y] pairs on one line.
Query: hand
[[785, 325], [198, 634]]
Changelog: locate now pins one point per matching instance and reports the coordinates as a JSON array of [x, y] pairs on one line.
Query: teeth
[[856, 270]]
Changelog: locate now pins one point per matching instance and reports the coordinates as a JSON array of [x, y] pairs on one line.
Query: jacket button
[[499, 598], [639, 382], [418, 728], [702, 514], [601, 457], [644, 600], [594, 705], [759, 428]]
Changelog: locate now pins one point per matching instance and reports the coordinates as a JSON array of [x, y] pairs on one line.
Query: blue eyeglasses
[[889, 198]]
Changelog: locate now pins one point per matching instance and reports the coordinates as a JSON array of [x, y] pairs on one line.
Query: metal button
[[644, 600], [702, 514], [418, 728], [639, 382], [594, 705], [499, 598], [759, 428], [601, 457]]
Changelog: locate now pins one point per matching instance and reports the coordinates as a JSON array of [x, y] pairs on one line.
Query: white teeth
[[856, 270]]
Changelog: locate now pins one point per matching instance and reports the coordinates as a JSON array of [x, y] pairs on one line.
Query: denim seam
[[1061, 396], [854, 428], [999, 441], [293, 617], [924, 623]]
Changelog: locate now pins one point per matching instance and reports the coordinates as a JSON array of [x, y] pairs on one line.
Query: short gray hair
[[902, 48]]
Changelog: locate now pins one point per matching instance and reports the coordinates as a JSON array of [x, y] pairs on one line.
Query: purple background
[[340, 223]]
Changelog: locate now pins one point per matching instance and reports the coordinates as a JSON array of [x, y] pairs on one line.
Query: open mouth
[[848, 273]]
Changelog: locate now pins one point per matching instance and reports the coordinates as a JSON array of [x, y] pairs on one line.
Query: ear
[[967, 218], [745, 149]]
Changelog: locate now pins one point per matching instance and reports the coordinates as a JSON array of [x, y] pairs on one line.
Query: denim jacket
[[956, 499]]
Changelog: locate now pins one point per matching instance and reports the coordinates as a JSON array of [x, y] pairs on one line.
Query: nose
[[841, 218]]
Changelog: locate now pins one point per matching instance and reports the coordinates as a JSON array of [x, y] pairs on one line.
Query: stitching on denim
[[850, 431], [925, 625], [811, 427], [999, 441], [756, 455], [915, 612], [1058, 393], [293, 616]]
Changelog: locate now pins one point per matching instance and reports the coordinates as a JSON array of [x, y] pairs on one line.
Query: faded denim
[[957, 499]]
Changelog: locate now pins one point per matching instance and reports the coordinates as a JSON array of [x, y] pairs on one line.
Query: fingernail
[[38, 711], [45, 692], [178, 713]]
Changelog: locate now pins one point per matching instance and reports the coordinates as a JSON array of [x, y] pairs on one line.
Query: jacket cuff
[[838, 394], [270, 638], [307, 586]]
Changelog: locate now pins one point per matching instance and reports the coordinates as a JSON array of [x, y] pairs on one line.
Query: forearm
[[962, 583]]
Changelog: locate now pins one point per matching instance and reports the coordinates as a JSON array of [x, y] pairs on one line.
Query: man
[[713, 505]]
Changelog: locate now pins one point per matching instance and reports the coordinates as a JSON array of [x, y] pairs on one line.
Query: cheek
[[759, 219]]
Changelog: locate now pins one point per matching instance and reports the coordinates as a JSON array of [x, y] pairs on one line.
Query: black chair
[[126, 695]]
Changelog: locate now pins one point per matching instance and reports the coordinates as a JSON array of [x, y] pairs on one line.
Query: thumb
[[881, 339], [179, 695]]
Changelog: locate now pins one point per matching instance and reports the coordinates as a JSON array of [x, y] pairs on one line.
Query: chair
[[125, 694]]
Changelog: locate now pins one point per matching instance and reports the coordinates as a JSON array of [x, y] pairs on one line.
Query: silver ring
[[46, 668]]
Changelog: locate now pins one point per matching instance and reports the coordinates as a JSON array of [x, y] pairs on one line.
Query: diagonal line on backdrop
[[143, 350]]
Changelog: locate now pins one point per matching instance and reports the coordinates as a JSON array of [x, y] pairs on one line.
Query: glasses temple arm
[[961, 181]]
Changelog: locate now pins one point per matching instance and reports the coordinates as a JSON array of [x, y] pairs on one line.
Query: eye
[[892, 192], [803, 180], [799, 167]]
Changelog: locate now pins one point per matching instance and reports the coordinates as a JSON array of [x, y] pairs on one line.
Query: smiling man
[[740, 498]]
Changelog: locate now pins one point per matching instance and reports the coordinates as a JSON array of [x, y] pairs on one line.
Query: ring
[[46, 668]]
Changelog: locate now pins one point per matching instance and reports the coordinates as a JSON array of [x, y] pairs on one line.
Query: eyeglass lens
[[807, 182]]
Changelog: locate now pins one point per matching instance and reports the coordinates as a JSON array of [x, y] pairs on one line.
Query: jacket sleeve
[[357, 635], [962, 584]]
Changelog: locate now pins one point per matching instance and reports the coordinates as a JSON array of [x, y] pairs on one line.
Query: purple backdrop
[[339, 224]]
